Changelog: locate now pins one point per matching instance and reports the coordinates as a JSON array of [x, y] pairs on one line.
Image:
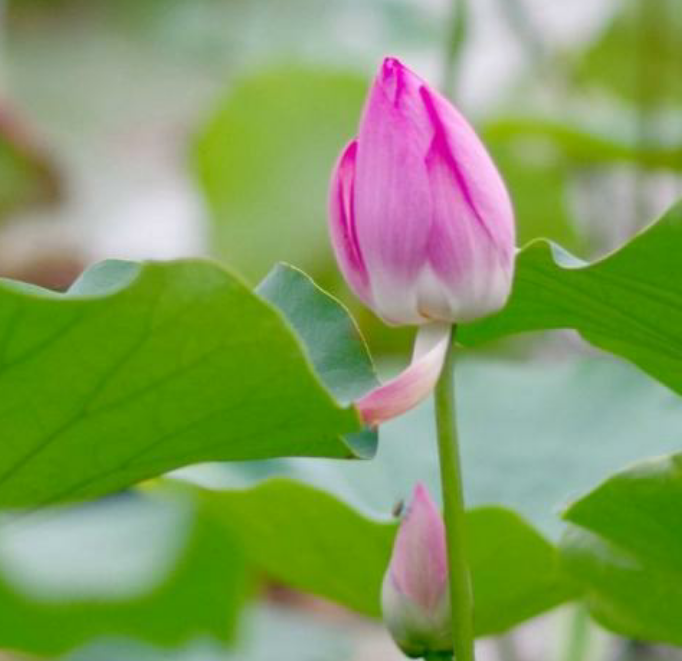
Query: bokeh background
[[158, 129]]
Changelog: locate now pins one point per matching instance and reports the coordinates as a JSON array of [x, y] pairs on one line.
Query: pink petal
[[479, 184], [471, 244], [419, 566], [414, 384], [392, 196], [342, 223]]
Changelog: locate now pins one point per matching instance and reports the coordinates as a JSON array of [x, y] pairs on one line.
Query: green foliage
[[269, 633], [141, 369], [264, 162], [134, 566], [538, 157], [537, 179], [26, 177], [625, 546], [329, 333], [629, 303], [314, 542], [310, 540], [557, 426], [582, 146], [169, 568], [332, 340], [638, 55]]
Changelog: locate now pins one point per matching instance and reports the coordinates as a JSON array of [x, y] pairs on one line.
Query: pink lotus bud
[[421, 222], [415, 597]]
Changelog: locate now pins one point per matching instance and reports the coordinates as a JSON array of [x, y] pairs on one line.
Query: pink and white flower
[[421, 224]]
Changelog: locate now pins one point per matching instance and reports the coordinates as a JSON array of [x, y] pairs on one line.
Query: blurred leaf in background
[[269, 632], [625, 545], [542, 160], [27, 175], [538, 177], [265, 159], [638, 55], [586, 144], [132, 565]]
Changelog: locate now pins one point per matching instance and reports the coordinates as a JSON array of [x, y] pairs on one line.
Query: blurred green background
[[154, 129]]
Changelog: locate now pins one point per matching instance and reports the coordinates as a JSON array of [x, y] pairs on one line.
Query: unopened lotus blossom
[[415, 596], [421, 222]]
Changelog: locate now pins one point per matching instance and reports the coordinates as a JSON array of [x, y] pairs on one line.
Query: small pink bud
[[420, 219], [415, 596]]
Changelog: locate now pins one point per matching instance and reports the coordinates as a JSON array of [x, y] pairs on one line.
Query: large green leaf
[[312, 541], [333, 341], [629, 303], [626, 548], [264, 161], [140, 369], [133, 566]]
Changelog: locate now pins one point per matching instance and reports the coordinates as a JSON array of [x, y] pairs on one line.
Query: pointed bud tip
[[420, 549], [418, 566], [391, 79], [390, 65], [421, 494]]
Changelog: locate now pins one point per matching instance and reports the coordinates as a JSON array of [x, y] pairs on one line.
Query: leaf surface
[[629, 303], [133, 566], [625, 547], [312, 541], [140, 369]]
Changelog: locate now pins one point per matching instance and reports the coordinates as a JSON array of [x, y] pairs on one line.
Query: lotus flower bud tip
[[415, 595]]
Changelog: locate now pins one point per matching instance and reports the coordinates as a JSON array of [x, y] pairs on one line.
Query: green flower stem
[[461, 597]]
